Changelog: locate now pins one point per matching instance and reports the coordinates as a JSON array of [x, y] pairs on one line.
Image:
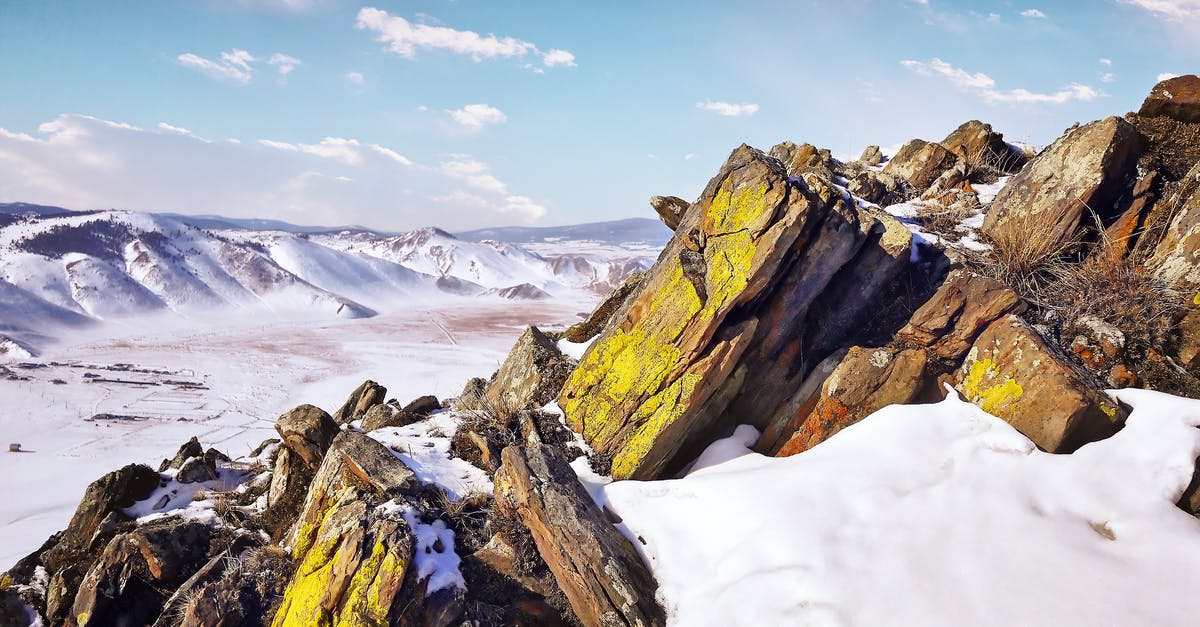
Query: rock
[[602, 575], [1176, 98], [363, 398], [1190, 501], [289, 481], [1099, 344], [116, 589], [524, 291], [381, 416], [871, 156], [920, 163], [423, 406], [307, 430], [1177, 256], [950, 321], [606, 312], [804, 159], [107, 495], [880, 188], [197, 470], [530, 376], [867, 380], [1012, 373], [1123, 235], [670, 209], [190, 449], [473, 396], [173, 549], [786, 421], [1188, 350], [1085, 170], [981, 147], [655, 389]]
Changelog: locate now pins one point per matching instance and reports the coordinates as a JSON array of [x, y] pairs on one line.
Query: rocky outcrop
[[606, 312], [950, 321], [308, 431], [1084, 171], [871, 156], [725, 304], [1013, 373], [804, 159], [600, 572], [670, 209], [1177, 256], [920, 163], [530, 376], [1176, 98], [977, 144], [366, 396]]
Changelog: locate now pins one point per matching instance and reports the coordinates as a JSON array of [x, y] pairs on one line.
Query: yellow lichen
[[363, 605], [981, 388], [82, 618]]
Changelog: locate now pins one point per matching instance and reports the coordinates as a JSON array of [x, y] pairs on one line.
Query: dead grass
[[1027, 256], [944, 220]]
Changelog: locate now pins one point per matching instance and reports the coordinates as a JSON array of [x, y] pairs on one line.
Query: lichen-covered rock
[[1085, 170], [607, 311], [871, 155], [530, 376], [364, 397], [950, 321], [979, 145], [1177, 98], [881, 188], [1012, 373], [802, 159], [920, 163], [1177, 256], [670, 209], [669, 376], [866, 380]]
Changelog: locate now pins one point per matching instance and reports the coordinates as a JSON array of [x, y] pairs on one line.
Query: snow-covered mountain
[[61, 269]]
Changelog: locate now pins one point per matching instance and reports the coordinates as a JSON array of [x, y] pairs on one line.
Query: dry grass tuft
[[1027, 256]]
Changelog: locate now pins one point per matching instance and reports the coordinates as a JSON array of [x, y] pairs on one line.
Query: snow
[[575, 350], [930, 515], [434, 551], [425, 448]]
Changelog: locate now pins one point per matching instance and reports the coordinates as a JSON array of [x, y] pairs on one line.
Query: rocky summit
[[798, 295]]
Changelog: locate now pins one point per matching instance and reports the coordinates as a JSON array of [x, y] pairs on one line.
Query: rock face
[[670, 209], [920, 163], [871, 155], [803, 159], [530, 376], [1012, 373], [601, 573], [725, 304], [950, 321], [308, 431], [606, 312], [1176, 98], [1088, 168], [366, 396], [1177, 256], [976, 143]]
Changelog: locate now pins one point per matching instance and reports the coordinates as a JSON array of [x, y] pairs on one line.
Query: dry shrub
[[1027, 256], [944, 220]]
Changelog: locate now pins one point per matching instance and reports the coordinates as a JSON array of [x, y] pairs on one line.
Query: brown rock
[[921, 163], [307, 430], [1085, 170], [670, 209], [1190, 501], [191, 448], [366, 396], [1188, 350], [1177, 256], [602, 575], [424, 405], [950, 321], [1176, 98], [980, 146], [606, 313], [803, 159], [880, 188], [530, 377], [1012, 373], [871, 156], [381, 416]]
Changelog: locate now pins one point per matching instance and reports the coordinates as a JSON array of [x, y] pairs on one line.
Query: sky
[[470, 113]]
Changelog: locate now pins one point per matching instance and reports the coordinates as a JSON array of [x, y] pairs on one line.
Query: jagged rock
[[363, 398], [1084, 170], [1012, 373], [307, 430], [803, 159], [1188, 349], [920, 163], [950, 321], [423, 405], [473, 396], [107, 495], [866, 380], [191, 448], [980, 146], [606, 312], [1176, 98], [1124, 234], [182, 601], [530, 376], [600, 572], [670, 209], [871, 155], [1177, 256], [197, 470], [880, 188], [381, 416], [656, 388], [172, 549]]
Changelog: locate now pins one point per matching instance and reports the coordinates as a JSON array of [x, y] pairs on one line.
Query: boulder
[[1085, 170], [307, 430], [530, 376], [197, 470], [670, 209], [880, 188], [381, 416], [116, 589], [866, 380], [981, 147], [1176, 98], [602, 575], [871, 156], [423, 405], [1177, 255], [725, 305], [1014, 374], [950, 321], [804, 159], [173, 549], [920, 163], [607, 311], [363, 398], [191, 448]]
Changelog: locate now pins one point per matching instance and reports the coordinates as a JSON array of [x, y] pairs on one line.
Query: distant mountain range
[[60, 269]]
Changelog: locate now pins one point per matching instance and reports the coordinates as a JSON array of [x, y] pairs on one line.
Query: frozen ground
[[224, 384]]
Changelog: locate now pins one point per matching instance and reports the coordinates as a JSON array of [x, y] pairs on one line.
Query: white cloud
[[236, 65], [728, 109], [355, 78], [689, 156], [1170, 9], [179, 130], [985, 86], [477, 116], [85, 163], [405, 38], [1107, 77], [1106, 62], [283, 63], [1165, 76], [993, 17], [1034, 13]]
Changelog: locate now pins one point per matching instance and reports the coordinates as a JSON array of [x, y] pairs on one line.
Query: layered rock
[[804, 159], [670, 209], [920, 163], [977, 144], [363, 398], [725, 304], [530, 376]]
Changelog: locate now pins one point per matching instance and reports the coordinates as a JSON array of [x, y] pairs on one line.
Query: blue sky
[[478, 113]]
